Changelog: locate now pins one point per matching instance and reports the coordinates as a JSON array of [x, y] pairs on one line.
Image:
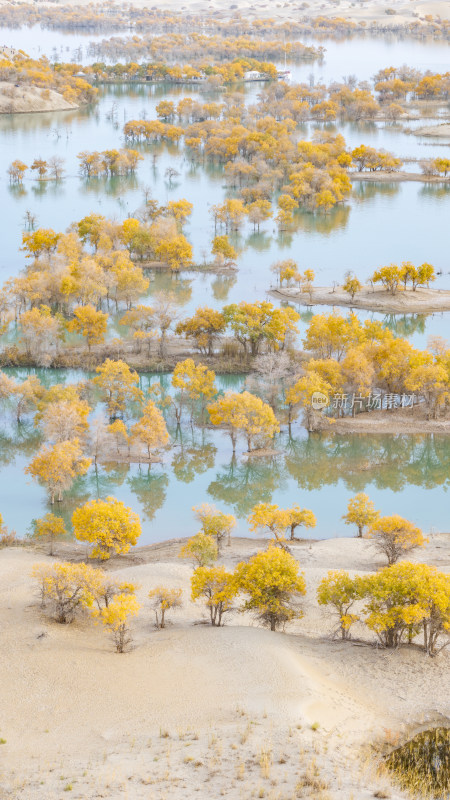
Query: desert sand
[[197, 712], [378, 299], [358, 11], [366, 12]]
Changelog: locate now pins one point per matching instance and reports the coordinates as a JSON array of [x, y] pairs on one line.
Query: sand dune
[[74, 713]]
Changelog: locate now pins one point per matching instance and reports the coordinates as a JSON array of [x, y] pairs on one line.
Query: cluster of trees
[[61, 415], [435, 166], [394, 277], [159, 21], [20, 69], [260, 155], [213, 75], [53, 168], [343, 359], [262, 158], [398, 603], [257, 327], [367, 361], [154, 130], [71, 441], [67, 589], [109, 162], [396, 83], [72, 277], [368, 158], [198, 47]]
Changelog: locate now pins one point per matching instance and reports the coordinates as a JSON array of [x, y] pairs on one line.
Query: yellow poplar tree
[[90, 323], [338, 590], [176, 252], [180, 209], [223, 250], [215, 523], [201, 549], [394, 537], [273, 585], [151, 429], [300, 517], [118, 385], [115, 619], [164, 599], [244, 413], [196, 380], [204, 327], [360, 512], [403, 599], [352, 285], [67, 587], [268, 515], [50, 527], [109, 524], [218, 589], [301, 394], [58, 466]]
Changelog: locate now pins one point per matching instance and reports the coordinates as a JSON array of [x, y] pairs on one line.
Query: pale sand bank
[[397, 177], [442, 130], [397, 421], [419, 302], [76, 714], [23, 99]]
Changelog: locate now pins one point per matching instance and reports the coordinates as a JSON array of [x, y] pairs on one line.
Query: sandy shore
[[192, 711], [26, 99], [419, 302], [397, 177], [442, 130], [396, 421]]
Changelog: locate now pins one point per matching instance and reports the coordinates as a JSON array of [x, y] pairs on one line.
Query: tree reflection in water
[[244, 483], [150, 488]]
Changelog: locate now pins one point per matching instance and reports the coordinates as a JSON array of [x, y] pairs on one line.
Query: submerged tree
[[58, 466]]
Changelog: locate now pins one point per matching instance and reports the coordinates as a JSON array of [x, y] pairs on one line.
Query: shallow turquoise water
[[403, 474], [382, 223]]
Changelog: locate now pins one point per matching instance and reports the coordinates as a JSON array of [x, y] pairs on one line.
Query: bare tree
[[165, 314], [171, 173], [56, 168]]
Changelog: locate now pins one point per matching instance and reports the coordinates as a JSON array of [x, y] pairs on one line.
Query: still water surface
[[403, 474]]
